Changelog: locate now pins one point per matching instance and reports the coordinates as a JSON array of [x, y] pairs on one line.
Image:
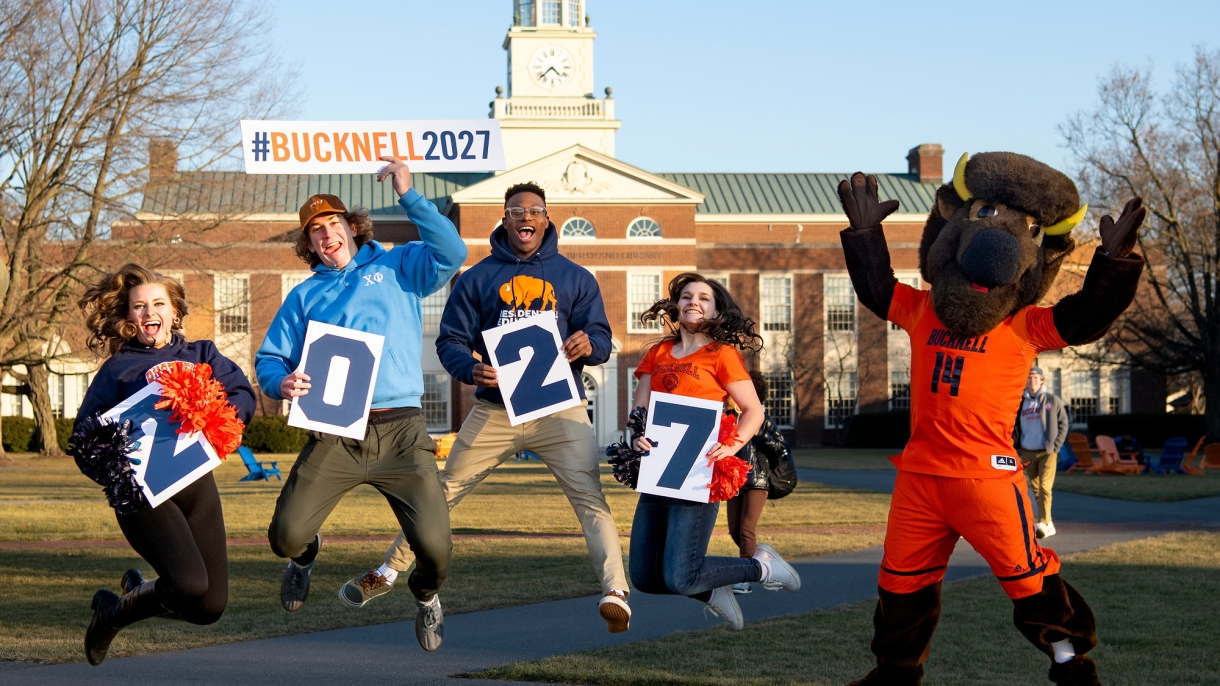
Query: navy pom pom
[[102, 450], [623, 456]]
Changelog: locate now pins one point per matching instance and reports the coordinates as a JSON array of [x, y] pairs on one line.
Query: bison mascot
[[990, 249]]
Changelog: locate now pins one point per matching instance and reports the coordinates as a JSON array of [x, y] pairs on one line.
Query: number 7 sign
[[684, 430], [534, 375]]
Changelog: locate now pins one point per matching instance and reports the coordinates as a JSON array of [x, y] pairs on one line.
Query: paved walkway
[[389, 655]]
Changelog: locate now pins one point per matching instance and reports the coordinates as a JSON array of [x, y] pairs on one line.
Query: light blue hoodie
[[379, 291]]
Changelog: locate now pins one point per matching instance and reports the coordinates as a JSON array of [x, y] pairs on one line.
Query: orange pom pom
[[728, 476], [728, 429], [198, 402]]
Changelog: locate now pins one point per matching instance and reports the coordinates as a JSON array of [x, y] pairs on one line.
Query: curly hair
[[527, 187], [105, 306], [730, 326], [362, 229]]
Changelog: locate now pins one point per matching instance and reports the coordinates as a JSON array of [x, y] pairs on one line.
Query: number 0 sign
[[169, 461], [534, 375], [684, 429], [342, 368]]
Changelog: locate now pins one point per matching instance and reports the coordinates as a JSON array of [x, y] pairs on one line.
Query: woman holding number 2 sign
[[134, 317], [701, 359]]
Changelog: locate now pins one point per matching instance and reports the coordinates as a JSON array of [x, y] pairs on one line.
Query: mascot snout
[[991, 259]]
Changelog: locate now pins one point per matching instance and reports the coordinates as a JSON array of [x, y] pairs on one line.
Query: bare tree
[[86, 88], [1165, 148]]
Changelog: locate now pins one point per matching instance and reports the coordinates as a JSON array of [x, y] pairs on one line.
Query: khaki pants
[[1040, 474], [567, 446]]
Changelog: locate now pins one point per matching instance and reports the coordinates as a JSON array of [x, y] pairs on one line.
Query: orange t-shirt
[[704, 373], [965, 392]]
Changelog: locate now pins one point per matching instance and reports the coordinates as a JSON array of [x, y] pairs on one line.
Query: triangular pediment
[[578, 175]]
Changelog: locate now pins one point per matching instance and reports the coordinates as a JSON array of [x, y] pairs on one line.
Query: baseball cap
[[320, 204], [1038, 371]]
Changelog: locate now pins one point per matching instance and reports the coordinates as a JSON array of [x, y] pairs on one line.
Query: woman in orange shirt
[[699, 359]]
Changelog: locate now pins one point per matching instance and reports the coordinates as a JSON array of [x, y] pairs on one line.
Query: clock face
[[551, 66]]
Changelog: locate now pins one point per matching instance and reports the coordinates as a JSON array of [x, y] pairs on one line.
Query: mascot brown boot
[[1060, 613], [902, 634]]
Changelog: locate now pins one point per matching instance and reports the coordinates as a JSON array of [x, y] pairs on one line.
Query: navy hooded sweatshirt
[[503, 288], [126, 372]]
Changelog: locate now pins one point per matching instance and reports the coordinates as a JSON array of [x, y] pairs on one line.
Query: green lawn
[[47, 499], [1155, 601]]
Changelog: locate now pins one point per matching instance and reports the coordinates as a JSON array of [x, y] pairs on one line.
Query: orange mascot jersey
[[959, 475]]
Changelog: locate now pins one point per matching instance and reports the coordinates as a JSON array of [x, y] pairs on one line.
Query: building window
[[722, 280], [573, 12], [643, 291], [525, 12], [55, 388], [900, 390], [780, 403], [431, 309], [1084, 388], [590, 396], [435, 402], [632, 384], [549, 12], [840, 304], [1120, 391], [578, 227], [777, 303], [643, 227], [290, 280], [913, 282], [840, 399], [232, 304]]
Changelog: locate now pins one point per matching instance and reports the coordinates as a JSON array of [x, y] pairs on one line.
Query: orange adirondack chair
[[1111, 461], [1211, 457], [1189, 460], [1084, 454]]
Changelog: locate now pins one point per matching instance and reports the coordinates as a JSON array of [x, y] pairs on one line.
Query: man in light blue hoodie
[[358, 284]]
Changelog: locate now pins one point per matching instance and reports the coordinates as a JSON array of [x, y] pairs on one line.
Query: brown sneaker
[[356, 592], [613, 608]]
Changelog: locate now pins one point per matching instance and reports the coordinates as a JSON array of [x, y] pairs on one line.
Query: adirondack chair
[[1084, 454], [1171, 457], [444, 444], [1211, 457], [258, 470], [1111, 461], [1188, 464]]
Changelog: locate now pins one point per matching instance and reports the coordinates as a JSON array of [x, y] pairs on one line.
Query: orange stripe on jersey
[[965, 392]]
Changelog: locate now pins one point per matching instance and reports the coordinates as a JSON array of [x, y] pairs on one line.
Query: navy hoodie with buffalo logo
[[126, 372], [503, 288]]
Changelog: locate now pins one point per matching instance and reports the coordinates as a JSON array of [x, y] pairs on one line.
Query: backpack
[[781, 473]]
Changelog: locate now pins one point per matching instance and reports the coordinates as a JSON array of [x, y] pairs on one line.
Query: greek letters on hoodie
[[503, 288], [379, 291]]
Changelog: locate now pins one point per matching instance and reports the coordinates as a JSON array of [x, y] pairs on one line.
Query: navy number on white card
[[336, 409], [699, 423], [164, 468], [531, 394]]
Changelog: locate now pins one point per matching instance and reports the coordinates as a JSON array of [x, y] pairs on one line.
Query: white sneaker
[[776, 569], [614, 609], [1044, 530], [724, 604], [742, 588]]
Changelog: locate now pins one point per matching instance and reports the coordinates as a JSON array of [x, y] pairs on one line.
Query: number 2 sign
[[169, 461], [534, 375], [684, 430]]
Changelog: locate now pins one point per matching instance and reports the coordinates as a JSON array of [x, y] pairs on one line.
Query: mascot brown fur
[[990, 249]]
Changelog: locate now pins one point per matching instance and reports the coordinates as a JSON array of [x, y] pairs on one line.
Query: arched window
[[643, 227], [578, 227], [590, 395]]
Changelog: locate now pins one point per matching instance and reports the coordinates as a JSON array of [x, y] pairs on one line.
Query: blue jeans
[[669, 546]]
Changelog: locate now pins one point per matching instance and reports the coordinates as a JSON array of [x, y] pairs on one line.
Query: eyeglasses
[[520, 212]]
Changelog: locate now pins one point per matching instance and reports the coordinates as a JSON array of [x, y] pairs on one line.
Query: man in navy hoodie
[[360, 285], [524, 276]]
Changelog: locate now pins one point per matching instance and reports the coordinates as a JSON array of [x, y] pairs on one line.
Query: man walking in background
[[1041, 428]]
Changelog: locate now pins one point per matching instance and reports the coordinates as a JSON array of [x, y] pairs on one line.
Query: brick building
[[771, 238]]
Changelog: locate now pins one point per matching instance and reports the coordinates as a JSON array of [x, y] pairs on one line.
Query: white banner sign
[[534, 375], [168, 461], [684, 430], [356, 147], [342, 368]]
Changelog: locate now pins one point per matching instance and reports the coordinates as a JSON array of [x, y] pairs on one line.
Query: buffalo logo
[[669, 382], [523, 291]]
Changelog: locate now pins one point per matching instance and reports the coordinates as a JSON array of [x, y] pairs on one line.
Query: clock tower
[[550, 104]]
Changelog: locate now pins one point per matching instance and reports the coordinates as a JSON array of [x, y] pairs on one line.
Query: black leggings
[[184, 541]]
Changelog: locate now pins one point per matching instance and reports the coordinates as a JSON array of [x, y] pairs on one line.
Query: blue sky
[[776, 86]]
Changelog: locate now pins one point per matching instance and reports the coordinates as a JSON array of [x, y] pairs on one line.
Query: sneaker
[[613, 608], [1044, 530], [295, 587], [724, 604], [429, 623], [742, 588], [776, 569], [356, 592]]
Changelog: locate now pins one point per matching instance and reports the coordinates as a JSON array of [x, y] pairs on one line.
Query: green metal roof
[[795, 193], [240, 193]]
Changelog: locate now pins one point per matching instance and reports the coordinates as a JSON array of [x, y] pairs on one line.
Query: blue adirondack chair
[[258, 470], [1171, 457]]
